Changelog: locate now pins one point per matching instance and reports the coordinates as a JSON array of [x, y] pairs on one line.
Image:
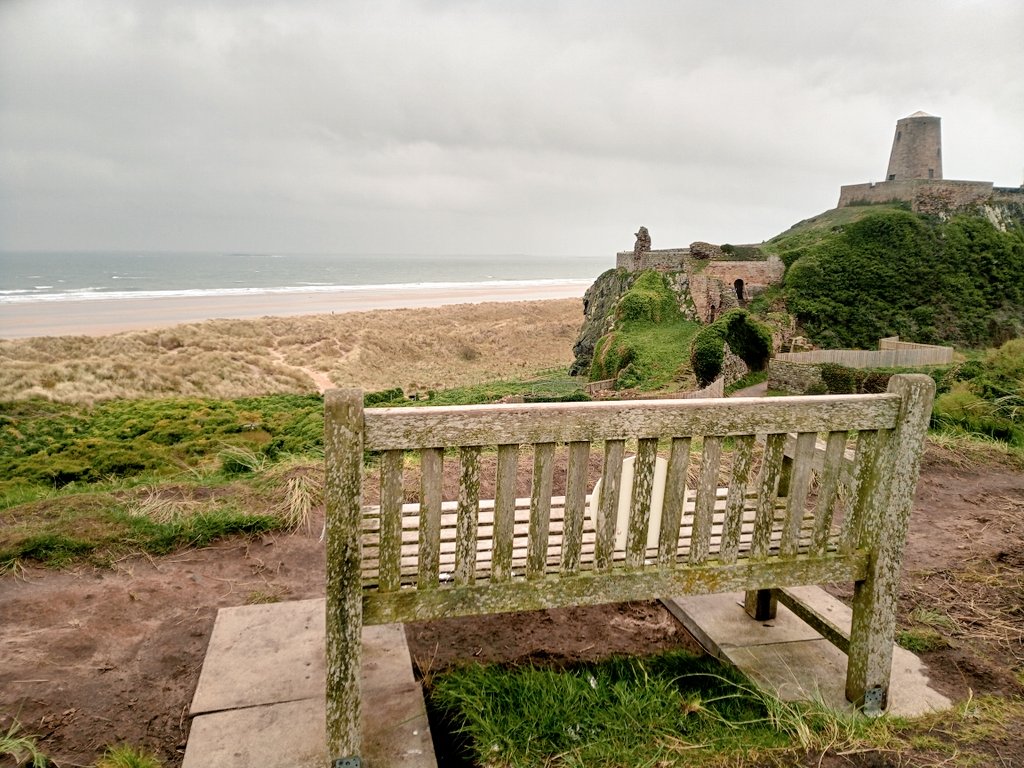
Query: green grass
[[673, 709], [127, 756], [811, 231], [649, 346], [45, 443], [97, 527], [550, 385]]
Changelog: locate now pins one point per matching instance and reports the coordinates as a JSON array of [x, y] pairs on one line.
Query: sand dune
[[417, 349]]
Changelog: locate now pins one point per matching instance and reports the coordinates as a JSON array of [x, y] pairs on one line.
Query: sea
[[31, 277]]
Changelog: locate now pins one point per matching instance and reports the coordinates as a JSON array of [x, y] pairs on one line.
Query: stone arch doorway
[[738, 286]]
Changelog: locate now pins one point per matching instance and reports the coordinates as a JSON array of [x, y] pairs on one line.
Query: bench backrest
[[735, 512], [416, 557]]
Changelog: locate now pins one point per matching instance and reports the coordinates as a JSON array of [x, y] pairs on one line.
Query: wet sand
[[98, 317]]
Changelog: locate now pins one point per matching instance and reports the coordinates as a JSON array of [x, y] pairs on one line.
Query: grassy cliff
[[856, 274]]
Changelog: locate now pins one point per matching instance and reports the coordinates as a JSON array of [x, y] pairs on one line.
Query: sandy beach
[[99, 317]]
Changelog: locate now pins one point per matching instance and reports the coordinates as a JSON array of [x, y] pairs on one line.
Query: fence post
[[883, 531], [343, 458]]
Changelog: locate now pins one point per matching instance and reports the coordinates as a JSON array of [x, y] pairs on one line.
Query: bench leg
[[760, 604], [871, 642]]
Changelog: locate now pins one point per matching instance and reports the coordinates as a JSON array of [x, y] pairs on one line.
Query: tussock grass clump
[[127, 756], [21, 748]]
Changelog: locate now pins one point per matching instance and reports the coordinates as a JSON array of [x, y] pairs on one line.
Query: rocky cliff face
[[598, 311]]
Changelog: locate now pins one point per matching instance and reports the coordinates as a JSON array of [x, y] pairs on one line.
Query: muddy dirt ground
[[91, 657]]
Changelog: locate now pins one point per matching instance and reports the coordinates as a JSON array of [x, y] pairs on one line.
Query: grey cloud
[[553, 127]]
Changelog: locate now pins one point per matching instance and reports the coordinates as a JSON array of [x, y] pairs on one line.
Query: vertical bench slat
[[675, 500], [707, 490], [835, 456], [799, 483], [504, 512], [761, 603], [391, 465], [575, 504], [540, 509], [867, 451], [743, 458], [468, 512], [640, 501], [608, 504], [431, 475], [767, 494]]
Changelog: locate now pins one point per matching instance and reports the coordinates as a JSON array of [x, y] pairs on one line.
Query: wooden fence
[[892, 353]]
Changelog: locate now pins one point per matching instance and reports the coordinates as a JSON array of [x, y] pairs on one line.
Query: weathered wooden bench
[[745, 516]]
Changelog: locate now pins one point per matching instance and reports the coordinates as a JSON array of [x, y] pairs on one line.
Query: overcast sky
[[523, 126]]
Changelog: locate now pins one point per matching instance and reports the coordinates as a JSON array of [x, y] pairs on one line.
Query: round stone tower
[[916, 149]]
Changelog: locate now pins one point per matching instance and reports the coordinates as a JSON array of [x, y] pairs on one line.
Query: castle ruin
[[715, 282], [914, 175]]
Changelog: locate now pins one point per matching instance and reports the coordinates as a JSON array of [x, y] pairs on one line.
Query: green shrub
[[649, 300], [748, 339], [611, 355], [383, 396], [893, 272], [839, 380], [985, 397], [707, 353]]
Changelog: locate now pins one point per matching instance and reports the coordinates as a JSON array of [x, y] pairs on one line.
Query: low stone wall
[[924, 195], [796, 378]]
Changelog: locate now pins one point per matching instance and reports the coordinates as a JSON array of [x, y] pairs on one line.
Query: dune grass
[[416, 349]]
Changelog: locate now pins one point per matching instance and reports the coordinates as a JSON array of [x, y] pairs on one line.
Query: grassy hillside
[[649, 345], [856, 274]]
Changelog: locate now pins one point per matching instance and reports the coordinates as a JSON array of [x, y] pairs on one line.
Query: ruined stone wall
[[762, 273], [665, 260], [922, 194], [795, 378], [711, 283], [733, 367]]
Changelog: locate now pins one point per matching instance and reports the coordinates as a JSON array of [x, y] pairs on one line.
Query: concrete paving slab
[[707, 618], [291, 734], [790, 659], [263, 654], [260, 698]]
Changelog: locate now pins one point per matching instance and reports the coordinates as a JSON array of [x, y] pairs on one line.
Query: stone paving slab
[[260, 697], [789, 658]]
